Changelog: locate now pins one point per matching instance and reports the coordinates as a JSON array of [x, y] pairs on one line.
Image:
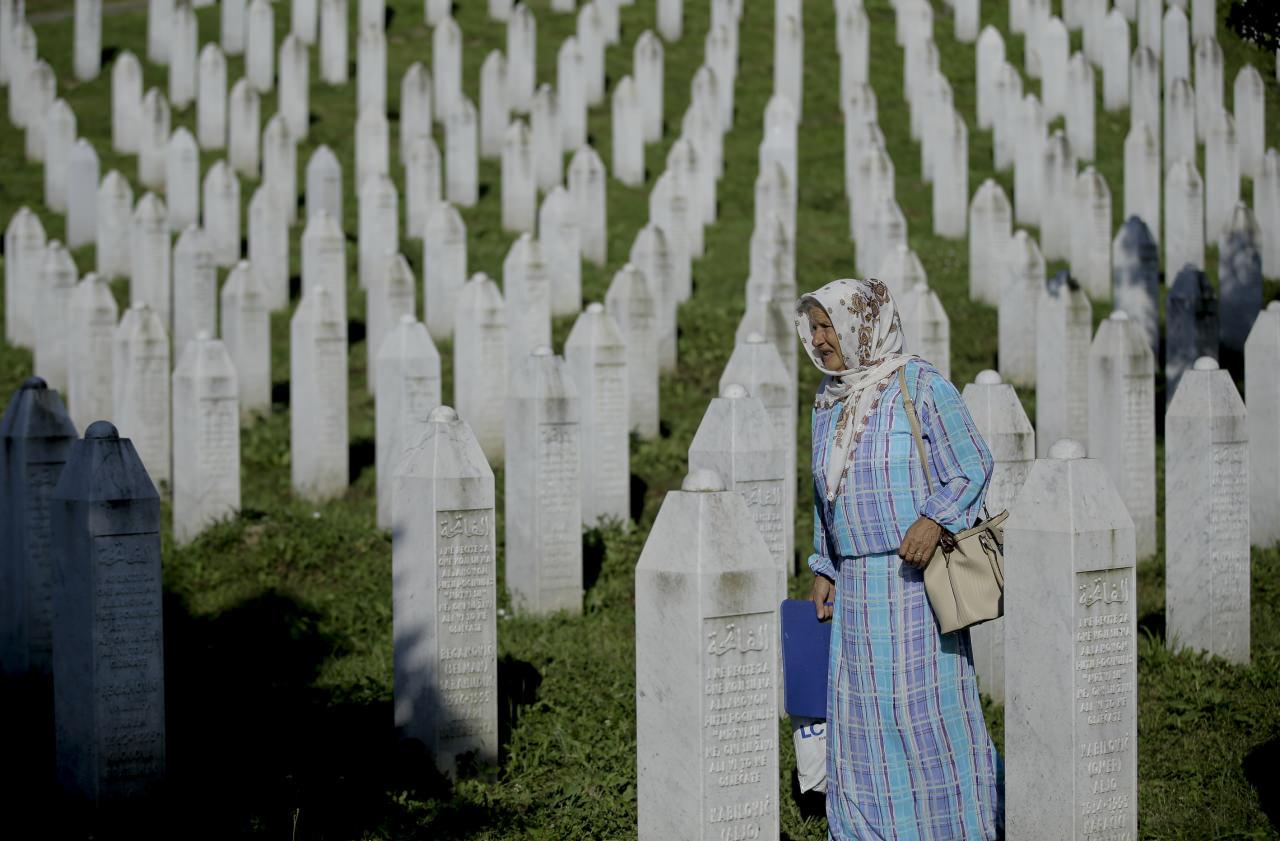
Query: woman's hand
[[824, 589], [920, 542]]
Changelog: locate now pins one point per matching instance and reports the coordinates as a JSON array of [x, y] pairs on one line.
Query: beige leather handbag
[[965, 577]]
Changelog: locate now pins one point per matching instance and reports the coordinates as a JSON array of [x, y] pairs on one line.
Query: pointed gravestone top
[[988, 377]]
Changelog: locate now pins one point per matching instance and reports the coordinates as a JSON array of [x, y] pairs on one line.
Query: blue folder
[[805, 646]]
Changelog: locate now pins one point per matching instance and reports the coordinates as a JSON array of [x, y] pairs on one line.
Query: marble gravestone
[[544, 130], [1024, 269], [1184, 218], [526, 286], [651, 254], [632, 303], [1004, 425], [140, 383], [59, 138], [737, 440], [280, 166], [36, 434], [373, 134], [57, 278], [108, 640], [245, 327], [211, 98], [206, 438], [392, 293], [446, 67], [648, 62], [91, 327], [1135, 278], [1249, 101], [1262, 396], [269, 248], [1063, 332], [1122, 427], [333, 42], [115, 223], [1210, 80], [628, 133], [407, 368], [82, 194], [495, 114], [1090, 251], [324, 183], [1239, 278], [443, 601], [182, 179], [562, 244], [444, 260], [1142, 179], [244, 129], [153, 137], [706, 670], [587, 188], [460, 156], [1221, 174], [371, 68], [324, 262], [596, 354], [480, 363], [222, 214], [422, 185], [195, 288], [88, 39], [379, 226], [571, 87], [1207, 586], [925, 326], [543, 490], [24, 247], [318, 438], [1191, 325], [990, 227], [184, 40], [294, 100], [519, 187], [126, 102], [1071, 626]]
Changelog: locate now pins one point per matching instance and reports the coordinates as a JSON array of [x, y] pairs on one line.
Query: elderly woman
[[908, 754]]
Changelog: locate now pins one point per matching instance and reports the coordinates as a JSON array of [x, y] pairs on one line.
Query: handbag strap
[[915, 427]]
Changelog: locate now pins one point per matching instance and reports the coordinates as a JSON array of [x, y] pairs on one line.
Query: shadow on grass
[[254, 747], [1260, 766], [361, 454]]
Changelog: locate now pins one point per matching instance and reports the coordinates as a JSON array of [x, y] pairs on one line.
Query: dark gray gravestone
[[35, 437], [108, 663], [1239, 279], [1135, 278], [1191, 325]]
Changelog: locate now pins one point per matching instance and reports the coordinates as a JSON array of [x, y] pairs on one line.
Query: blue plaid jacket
[[883, 489]]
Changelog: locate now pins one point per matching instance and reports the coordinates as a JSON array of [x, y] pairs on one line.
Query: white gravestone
[[1210, 80], [1135, 278], [628, 133], [222, 213], [901, 270], [990, 227], [1024, 272], [1142, 176], [1239, 278], [1063, 331], [195, 288], [670, 19], [1184, 218], [373, 142], [480, 362], [1207, 587], [1122, 428], [59, 137], [522, 56], [245, 327], [737, 440], [280, 166], [182, 180], [1000, 418], [379, 231], [990, 56], [1058, 196], [269, 248], [88, 39], [303, 20], [140, 379], [206, 438], [318, 438], [92, 325], [587, 188], [333, 42], [649, 63], [1115, 62], [149, 276], [234, 26], [294, 100], [153, 139], [495, 114], [1007, 92], [1266, 204], [24, 246], [392, 294], [446, 67], [651, 254], [1262, 395], [925, 326], [519, 188], [1179, 121], [461, 179], [1221, 174], [41, 90], [561, 238], [773, 319], [443, 602], [548, 152], [590, 39], [211, 98], [423, 187], [1080, 107], [543, 488], [788, 60], [526, 286], [1091, 234], [57, 278], [1249, 100], [415, 106], [184, 39], [951, 177], [632, 303], [706, 670], [1204, 20], [1144, 88], [371, 69], [126, 102], [444, 272], [1071, 626], [324, 261], [1053, 48], [108, 640], [324, 183], [35, 438], [1151, 25], [244, 129], [597, 357], [82, 194], [408, 372], [571, 87], [115, 221], [1176, 49]]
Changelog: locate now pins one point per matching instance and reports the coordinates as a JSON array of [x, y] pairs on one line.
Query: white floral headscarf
[[866, 321]]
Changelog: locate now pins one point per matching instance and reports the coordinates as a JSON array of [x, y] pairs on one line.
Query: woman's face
[[825, 339]]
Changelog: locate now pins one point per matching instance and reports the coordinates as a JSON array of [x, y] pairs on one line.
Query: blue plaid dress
[[908, 753]]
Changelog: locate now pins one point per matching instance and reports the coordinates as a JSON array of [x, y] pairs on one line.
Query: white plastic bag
[[810, 738]]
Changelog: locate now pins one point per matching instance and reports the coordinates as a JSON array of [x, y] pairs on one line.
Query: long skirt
[[908, 753]]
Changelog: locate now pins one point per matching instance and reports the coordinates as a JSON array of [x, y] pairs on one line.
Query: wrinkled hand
[[824, 590], [920, 542]]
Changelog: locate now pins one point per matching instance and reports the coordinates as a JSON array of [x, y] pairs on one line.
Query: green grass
[[278, 625]]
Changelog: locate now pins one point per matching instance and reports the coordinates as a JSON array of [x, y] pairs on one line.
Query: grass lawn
[[278, 624]]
